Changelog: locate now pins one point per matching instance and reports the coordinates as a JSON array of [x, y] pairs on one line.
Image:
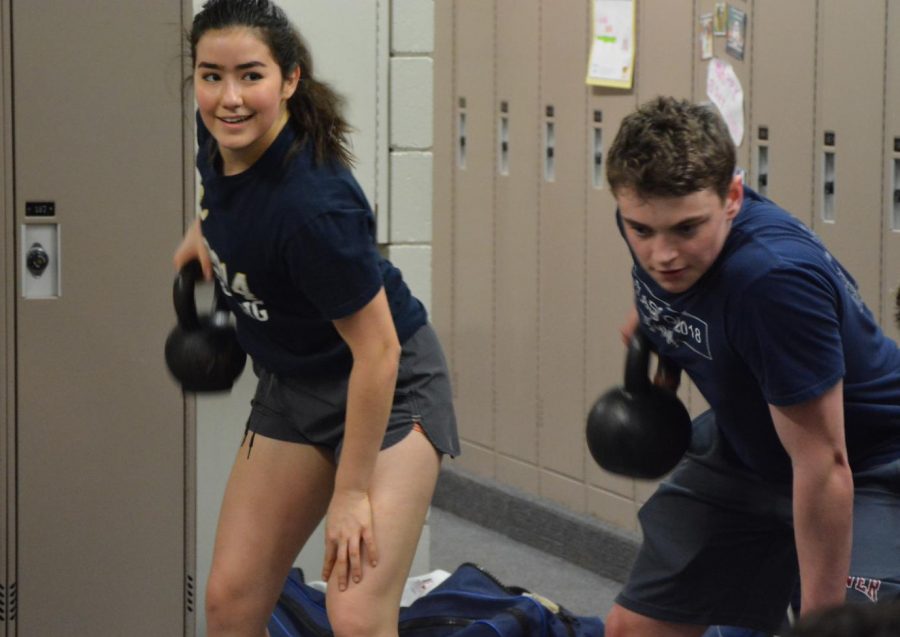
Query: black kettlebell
[[640, 430], [202, 352]]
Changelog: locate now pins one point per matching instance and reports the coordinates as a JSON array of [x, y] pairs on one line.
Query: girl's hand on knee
[[348, 537]]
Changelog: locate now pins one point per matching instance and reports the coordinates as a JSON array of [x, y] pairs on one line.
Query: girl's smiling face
[[241, 94]]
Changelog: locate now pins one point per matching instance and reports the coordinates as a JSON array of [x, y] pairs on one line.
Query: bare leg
[[273, 502], [622, 622], [400, 493]]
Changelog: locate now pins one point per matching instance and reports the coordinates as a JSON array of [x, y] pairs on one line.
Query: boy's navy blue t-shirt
[[293, 247], [777, 320]]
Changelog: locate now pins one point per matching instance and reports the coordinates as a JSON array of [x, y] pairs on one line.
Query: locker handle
[[897, 196], [598, 159], [549, 152], [829, 187], [764, 180]]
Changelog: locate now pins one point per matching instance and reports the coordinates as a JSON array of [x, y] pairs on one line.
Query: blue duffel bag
[[469, 603]]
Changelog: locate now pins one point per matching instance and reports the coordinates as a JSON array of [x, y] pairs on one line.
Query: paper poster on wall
[[725, 91], [720, 19], [706, 36], [737, 31], [612, 44]]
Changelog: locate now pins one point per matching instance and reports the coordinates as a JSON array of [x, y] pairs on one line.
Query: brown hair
[[671, 148], [315, 108]]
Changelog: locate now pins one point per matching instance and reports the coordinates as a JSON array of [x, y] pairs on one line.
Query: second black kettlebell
[[202, 352], [639, 430]]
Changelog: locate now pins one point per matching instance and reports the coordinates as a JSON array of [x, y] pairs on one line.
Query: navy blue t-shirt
[[293, 247], [777, 320]]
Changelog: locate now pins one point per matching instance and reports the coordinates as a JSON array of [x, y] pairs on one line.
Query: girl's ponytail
[[317, 113]]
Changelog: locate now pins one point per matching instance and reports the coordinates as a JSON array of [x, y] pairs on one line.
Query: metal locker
[[782, 104], [444, 178], [100, 509], [740, 63], [473, 234], [891, 191], [665, 51], [848, 138], [608, 294], [517, 171], [563, 105]]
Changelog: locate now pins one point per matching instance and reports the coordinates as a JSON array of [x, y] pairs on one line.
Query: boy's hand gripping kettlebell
[[202, 352], [640, 430]]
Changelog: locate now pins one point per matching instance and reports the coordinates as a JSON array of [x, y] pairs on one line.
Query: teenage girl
[[352, 412]]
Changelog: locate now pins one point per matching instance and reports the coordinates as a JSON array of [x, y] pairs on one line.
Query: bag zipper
[[432, 622]]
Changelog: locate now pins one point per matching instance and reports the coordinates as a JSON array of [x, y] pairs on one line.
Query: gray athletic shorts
[[719, 547], [310, 411]]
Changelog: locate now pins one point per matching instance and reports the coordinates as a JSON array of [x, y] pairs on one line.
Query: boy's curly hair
[[671, 148]]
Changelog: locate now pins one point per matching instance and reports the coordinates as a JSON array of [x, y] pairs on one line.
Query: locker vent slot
[[461, 151], [895, 196], [549, 151], [828, 187], [503, 137], [597, 156], [8, 603], [189, 593], [762, 170]]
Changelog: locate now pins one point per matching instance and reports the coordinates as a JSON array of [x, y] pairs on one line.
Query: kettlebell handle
[[184, 300], [637, 363], [183, 296]]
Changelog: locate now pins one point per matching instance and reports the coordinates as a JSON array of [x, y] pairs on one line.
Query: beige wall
[[530, 277]]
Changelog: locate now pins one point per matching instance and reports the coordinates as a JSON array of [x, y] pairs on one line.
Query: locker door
[[891, 197], [517, 167], [473, 232], [563, 106], [609, 295], [848, 138], [782, 104], [665, 49], [100, 425]]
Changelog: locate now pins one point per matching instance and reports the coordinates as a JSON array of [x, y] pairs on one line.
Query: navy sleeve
[[786, 328], [333, 261]]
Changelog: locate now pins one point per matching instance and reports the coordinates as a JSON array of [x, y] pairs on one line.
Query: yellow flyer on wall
[[612, 44]]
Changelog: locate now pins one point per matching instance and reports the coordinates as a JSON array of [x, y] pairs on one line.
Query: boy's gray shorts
[[718, 545], [311, 411]]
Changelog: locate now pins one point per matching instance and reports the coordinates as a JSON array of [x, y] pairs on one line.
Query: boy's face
[[677, 239]]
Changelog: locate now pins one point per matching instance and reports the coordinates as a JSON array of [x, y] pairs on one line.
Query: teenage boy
[[793, 475]]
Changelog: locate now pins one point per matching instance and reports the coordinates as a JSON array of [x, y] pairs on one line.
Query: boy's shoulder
[[765, 240], [770, 228]]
